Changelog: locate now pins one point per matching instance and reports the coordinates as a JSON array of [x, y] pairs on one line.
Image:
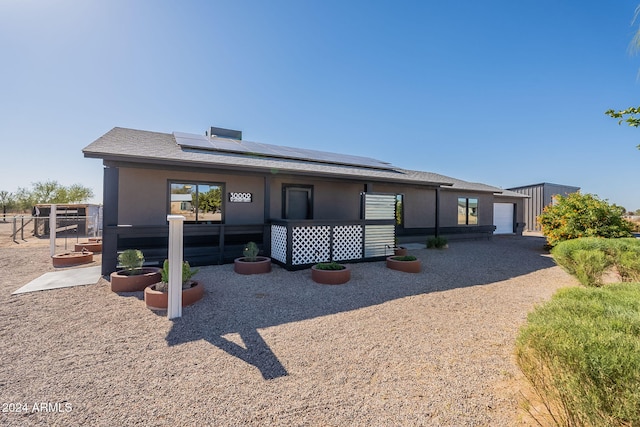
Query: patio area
[[387, 348]]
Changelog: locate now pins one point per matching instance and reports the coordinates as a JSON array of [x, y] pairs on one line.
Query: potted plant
[[330, 273], [437, 242], [133, 277], [407, 263], [251, 263], [157, 296]]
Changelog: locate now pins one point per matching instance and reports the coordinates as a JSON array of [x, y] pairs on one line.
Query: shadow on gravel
[[242, 305]]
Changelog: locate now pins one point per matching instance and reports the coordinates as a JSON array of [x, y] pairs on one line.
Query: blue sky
[[503, 92]]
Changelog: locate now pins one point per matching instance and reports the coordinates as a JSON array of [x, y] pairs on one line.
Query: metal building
[[540, 195]]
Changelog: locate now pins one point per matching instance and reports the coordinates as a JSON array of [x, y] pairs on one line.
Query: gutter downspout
[[267, 216], [437, 211]]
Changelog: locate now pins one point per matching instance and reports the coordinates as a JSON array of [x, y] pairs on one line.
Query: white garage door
[[503, 218]]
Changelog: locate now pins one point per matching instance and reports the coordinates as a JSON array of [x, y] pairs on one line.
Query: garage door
[[503, 218]]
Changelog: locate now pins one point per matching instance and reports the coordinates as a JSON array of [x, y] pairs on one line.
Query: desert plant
[[436, 242], [581, 353], [329, 266], [628, 266], [187, 273], [578, 257], [251, 251], [131, 260], [590, 266], [582, 215], [563, 253]]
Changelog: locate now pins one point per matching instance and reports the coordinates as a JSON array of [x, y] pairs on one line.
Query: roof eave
[[127, 158]]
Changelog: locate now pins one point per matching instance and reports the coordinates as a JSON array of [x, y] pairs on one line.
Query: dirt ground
[[6, 230], [433, 350], [31, 254], [26, 238]]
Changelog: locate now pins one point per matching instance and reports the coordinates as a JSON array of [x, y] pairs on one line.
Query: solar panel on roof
[[203, 142]]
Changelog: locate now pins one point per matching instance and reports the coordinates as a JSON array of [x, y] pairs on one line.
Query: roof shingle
[[122, 144]]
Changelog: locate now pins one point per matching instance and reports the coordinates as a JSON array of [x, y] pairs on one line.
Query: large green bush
[[582, 215], [581, 353], [588, 258]]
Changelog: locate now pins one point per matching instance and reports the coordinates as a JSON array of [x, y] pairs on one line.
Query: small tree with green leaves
[[582, 215], [630, 116], [51, 192], [6, 200]]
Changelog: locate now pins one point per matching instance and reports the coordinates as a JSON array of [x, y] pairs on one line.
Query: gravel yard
[[387, 348]]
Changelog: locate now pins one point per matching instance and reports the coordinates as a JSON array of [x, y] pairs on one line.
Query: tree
[[76, 193], [632, 114], [6, 199], [582, 215], [210, 201], [53, 192], [24, 199], [50, 192]]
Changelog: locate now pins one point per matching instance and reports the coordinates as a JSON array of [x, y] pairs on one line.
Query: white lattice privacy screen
[[310, 244], [347, 242], [279, 243], [379, 239]]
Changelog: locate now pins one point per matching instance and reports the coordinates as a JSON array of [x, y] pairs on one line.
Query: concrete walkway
[[63, 279]]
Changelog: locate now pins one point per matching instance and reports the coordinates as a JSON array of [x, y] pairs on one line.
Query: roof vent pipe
[[223, 133]]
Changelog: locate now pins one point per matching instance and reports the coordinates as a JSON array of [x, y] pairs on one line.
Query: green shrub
[[187, 273], [131, 260], [251, 251], [329, 266], [582, 215], [404, 258], [590, 266], [564, 252], [436, 242], [581, 354], [635, 225], [627, 258], [629, 266], [578, 257]]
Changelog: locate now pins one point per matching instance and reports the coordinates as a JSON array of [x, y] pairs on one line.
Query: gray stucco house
[[301, 206]]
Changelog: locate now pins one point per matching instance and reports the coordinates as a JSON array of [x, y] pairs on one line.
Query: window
[[399, 211], [197, 202], [467, 211], [297, 202]]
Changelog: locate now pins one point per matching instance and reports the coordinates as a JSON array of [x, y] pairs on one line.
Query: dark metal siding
[[540, 195]]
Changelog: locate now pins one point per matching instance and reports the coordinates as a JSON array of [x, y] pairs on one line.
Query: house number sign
[[240, 197]]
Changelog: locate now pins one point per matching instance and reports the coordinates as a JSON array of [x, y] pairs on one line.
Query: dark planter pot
[[121, 282], [400, 251], [331, 277], [406, 266], [261, 265], [157, 300], [69, 259]]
